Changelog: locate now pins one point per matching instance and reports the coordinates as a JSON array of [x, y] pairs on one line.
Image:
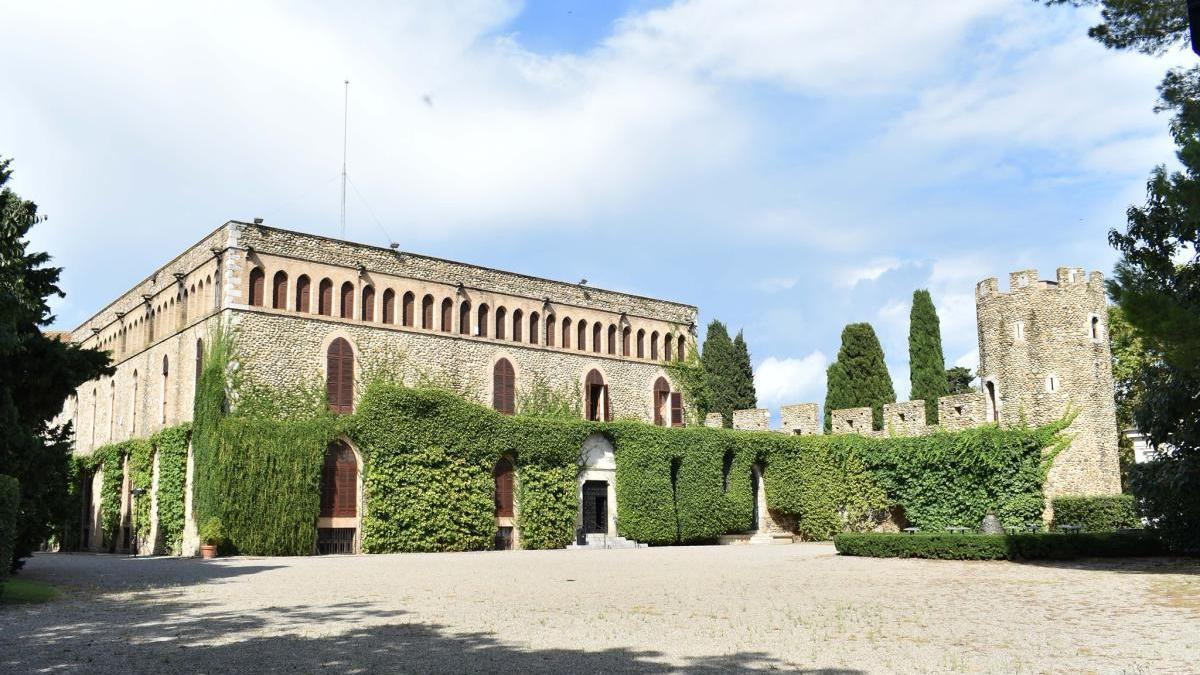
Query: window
[[339, 482], [517, 324], [325, 298], [447, 315], [598, 407], [581, 336], [534, 328], [112, 408], [726, 469], [150, 327], [406, 309], [464, 318], [347, 300], [339, 377], [654, 346], [134, 406], [612, 340], [503, 476], [279, 291], [661, 395], [389, 306], [481, 325], [501, 318], [625, 340], [641, 343], [199, 359], [165, 378], [427, 312], [504, 387], [667, 346], [566, 333], [257, 279], [551, 328], [1019, 331], [596, 337], [676, 409], [368, 303], [302, 293], [679, 351], [1094, 327], [993, 410]]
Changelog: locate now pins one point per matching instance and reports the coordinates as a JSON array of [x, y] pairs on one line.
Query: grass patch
[[22, 591]]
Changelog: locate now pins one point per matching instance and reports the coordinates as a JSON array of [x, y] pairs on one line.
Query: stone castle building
[[308, 309]]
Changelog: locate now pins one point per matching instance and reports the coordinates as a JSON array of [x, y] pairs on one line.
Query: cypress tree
[[719, 360], [747, 397], [927, 365], [859, 377]]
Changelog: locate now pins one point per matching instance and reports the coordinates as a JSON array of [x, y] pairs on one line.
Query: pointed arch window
[[534, 327], [302, 293], [581, 336], [427, 312], [166, 370], [406, 309], [598, 407], [641, 343], [481, 323], [662, 395], [257, 280], [566, 333], [368, 303], [347, 298], [339, 377], [503, 476], [504, 387], [279, 290], [625, 335], [596, 337], [325, 298], [339, 482], [667, 346], [518, 320], [447, 315], [612, 340], [551, 328], [464, 318], [501, 319], [389, 306], [199, 359], [654, 346], [679, 350]]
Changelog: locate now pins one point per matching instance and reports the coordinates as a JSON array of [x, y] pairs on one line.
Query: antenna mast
[[345, 127]]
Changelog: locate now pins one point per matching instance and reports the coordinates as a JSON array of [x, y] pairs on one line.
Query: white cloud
[[969, 360], [871, 271], [783, 381], [775, 284]]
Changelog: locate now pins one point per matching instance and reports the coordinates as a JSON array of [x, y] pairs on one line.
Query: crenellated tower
[[1044, 350]]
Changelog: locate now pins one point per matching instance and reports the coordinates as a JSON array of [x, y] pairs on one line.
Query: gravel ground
[[686, 609]]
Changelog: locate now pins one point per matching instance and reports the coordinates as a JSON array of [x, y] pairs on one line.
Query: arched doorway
[[993, 410], [756, 494], [597, 490], [504, 496], [596, 403], [337, 524]]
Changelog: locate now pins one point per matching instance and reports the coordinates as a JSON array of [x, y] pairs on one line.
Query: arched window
[[325, 298], [679, 351], [368, 303], [279, 291], [427, 312], [481, 324], [1095, 327], [581, 336], [339, 482], [667, 346], [447, 315], [199, 359], [518, 317], [993, 410], [676, 409], [347, 300], [257, 279], [150, 327], [339, 377], [389, 306], [534, 327], [302, 293], [503, 475], [501, 319], [726, 469], [464, 318], [566, 333], [112, 408], [406, 309], [654, 346], [612, 339], [641, 343], [596, 397], [134, 406], [504, 387], [625, 335], [551, 328], [596, 337], [662, 396], [165, 379]]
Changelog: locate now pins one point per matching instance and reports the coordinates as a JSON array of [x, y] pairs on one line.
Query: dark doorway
[[595, 507], [755, 478]]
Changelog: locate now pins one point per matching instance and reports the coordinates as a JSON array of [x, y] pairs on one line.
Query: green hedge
[[171, 446], [10, 503], [1102, 513], [1030, 546]]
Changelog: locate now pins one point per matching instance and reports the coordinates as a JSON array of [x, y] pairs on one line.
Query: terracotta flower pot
[[208, 551]]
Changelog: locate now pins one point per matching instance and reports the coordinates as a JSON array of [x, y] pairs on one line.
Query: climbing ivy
[[171, 445]]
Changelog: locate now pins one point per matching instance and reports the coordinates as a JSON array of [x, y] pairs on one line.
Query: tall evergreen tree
[[747, 397], [859, 377], [37, 372], [958, 380], [719, 360], [926, 364]]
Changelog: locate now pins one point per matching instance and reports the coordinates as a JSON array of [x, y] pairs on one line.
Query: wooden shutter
[[679, 352], [339, 381], [464, 318], [347, 300], [427, 312], [368, 303], [389, 306], [325, 302], [550, 329], [676, 409], [503, 475], [503, 387], [447, 315], [339, 483], [302, 292], [279, 292], [257, 280], [607, 406]]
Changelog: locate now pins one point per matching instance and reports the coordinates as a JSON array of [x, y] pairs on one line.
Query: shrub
[[1031, 546], [1103, 513], [211, 533], [10, 503]]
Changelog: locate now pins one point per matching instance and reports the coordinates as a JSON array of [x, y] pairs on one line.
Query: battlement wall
[[904, 418]]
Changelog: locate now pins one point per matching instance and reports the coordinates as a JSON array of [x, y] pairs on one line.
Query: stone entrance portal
[[595, 507]]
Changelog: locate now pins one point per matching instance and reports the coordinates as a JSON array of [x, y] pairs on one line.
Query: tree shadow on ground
[[1154, 565], [116, 572], [156, 632]]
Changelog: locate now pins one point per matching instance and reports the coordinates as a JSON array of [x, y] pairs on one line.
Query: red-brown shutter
[[550, 330], [427, 312], [347, 300], [406, 311], [302, 290], [368, 303], [464, 318], [504, 387], [339, 382], [389, 306], [447, 315], [257, 280], [607, 406], [679, 352], [339, 483], [325, 302], [279, 294], [503, 475], [625, 341], [676, 409]]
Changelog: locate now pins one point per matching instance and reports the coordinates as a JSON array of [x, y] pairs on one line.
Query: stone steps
[[601, 541]]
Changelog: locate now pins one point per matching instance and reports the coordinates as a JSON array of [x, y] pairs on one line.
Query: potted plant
[[211, 536]]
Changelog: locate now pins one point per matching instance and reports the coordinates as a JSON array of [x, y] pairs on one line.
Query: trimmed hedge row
[[1024, 546], [1103, 513], [10, 503]]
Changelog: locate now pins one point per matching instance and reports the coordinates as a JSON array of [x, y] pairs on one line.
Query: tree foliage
[[747, 397], [1148, 26], [859, 377], [959, 380], [720, 362], [37, 373], [926, 363]]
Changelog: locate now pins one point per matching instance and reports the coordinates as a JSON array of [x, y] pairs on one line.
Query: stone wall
[[753, 419], [801, 419]]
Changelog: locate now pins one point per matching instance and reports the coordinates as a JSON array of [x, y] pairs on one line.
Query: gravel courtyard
[[687, 609]]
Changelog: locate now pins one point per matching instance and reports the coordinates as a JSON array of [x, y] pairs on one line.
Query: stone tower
[[1043, 349]]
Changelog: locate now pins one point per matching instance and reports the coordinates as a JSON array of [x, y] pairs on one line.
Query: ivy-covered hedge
[[1101, 513], [10, 503], [171, 446], [1030, 546], [110, 459]]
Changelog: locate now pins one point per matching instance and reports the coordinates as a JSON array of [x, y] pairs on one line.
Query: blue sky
[[788, 167]]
